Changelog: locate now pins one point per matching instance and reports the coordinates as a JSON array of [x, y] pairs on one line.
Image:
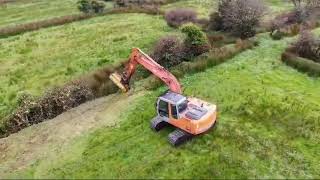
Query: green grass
[[268, 128], [204, 8], [38, 60], [32, 10], [268, 112], [278, 6]]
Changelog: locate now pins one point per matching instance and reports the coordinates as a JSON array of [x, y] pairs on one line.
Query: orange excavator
[[190, 116]]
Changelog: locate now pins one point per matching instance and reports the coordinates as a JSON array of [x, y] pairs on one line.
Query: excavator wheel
[[157, 124], [179, 137]]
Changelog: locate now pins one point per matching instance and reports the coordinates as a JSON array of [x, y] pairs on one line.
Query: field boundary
[[302, 64], [13, 30], [98, 84]]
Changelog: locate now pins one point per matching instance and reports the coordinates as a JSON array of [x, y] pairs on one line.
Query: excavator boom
[[139, 57]]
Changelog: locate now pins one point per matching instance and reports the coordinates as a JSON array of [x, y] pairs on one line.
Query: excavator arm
[[138, 57]]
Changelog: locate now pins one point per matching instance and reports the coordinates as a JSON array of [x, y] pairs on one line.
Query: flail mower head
[[117, 80]]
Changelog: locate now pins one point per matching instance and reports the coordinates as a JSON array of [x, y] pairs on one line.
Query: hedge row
[[293, 30], [6, 1], [302, 64], [33, 110], [32, 26], [207, 60], [22, 28]]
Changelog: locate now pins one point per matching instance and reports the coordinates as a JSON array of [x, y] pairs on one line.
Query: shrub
[[304, 11], [241, 17], [216, 18], [168, 51], [91, 6], [84, 6], [206, 60], [215, 22], [178, 17], [97, 6], [53, 103], [32, 110], [308, 46], [196, 42]]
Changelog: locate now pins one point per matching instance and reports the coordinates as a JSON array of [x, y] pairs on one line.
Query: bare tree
[[242, 16]]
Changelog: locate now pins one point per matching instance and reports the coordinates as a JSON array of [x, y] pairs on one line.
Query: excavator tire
[[179, 137], [157, 124]]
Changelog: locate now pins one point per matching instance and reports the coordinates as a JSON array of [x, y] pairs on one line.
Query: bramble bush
[[196, 42], [168, 51], [241, 17]]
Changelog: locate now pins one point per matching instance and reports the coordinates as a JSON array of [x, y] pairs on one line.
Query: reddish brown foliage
[[178, 17], [307, 46], [168, 51]]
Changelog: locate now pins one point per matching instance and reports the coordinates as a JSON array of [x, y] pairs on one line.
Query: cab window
[[183, 106], [163, 108], [174, 111]]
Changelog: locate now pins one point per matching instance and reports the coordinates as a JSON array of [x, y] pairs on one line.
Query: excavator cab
[[191, 116], [172, 105]]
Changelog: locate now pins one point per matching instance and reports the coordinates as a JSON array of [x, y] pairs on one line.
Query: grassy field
[[38, 60], [24, 11], [268, 128], [269, 120], [203, 7]]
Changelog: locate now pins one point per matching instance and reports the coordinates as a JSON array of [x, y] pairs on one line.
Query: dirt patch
[[30, 145]]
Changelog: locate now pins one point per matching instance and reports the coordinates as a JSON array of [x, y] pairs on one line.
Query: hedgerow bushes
[[307, 46], [53, 103], [302, 64], [240, 17], [144, 6], [168, 51], [91, 6], [32, 110], [212, 58], [304, 54], [21, 28], [196, 42], [177, 17], [305, 15]]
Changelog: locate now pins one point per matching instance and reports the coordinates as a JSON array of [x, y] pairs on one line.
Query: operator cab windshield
[[183, 106]]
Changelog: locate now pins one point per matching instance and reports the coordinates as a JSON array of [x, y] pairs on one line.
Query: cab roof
[[173, 97]]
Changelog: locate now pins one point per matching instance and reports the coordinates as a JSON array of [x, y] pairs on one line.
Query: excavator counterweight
[[191, 116]]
